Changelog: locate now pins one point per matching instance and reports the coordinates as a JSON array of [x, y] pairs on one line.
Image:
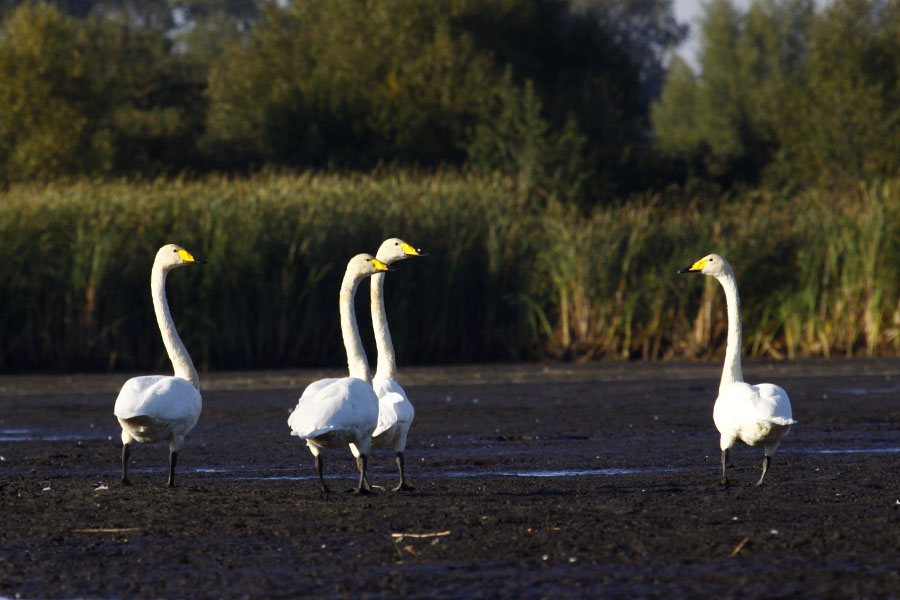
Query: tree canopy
[[581, 99], [788, 95]]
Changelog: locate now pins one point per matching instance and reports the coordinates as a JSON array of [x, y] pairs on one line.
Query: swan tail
[[783, 421], [305, 435]]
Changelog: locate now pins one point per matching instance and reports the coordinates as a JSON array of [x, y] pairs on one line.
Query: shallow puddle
[[481, 473], [848, 450], [35, 435]]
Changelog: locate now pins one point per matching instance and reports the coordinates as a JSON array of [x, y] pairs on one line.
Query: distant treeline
[[553, 92], [506, 279], [573, 99]]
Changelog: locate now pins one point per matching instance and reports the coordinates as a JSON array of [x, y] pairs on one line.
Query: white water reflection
[[33, 435], [848, 450], [864, 391], [482, 473]]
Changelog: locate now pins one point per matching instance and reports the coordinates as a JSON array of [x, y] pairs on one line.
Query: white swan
[[154, 408], [343, 411], [395, 411], [758, 415]]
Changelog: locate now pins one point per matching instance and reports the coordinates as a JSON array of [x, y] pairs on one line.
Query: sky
[[689, 11]]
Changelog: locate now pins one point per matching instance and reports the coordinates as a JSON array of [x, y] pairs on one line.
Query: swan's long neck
[[387, 360], [178, 354], [731, 372], [357, 361]]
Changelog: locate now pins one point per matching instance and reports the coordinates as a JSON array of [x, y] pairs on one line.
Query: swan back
[[160, 398], [394, 407], [345, 404]]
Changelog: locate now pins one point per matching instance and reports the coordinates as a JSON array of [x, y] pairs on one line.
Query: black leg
[[724, 481], [173, 458], [126, 453], [319, 471], [402, 485], [363, 488], [766, 462]]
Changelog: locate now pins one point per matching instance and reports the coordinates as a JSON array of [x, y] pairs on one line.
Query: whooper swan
[[154, 408], [336, 412], [758, 415], [395, 411]]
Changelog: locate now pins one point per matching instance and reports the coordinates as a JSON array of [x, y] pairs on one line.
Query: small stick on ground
[[739, 546], [105, 530], [420, 535]]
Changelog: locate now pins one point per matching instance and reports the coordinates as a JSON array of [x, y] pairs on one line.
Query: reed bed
[[507, 278]]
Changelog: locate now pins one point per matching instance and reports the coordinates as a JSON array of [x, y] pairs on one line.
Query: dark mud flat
[[533, 481]]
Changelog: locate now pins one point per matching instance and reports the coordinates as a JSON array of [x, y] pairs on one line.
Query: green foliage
[[726, 120], [845, 121], [789, 96], [552, 87], [819, 274], [89, 97], [350, 83], [46, 124], [521, 144]]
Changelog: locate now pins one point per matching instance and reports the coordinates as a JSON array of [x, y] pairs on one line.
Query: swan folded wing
[[307, 404], [393, 406], [779, 421], [159, 396], [346, 403], [772, 404]]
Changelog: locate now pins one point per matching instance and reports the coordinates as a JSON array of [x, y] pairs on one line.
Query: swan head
[[366, 265], [712, 265], [394, 249], [171, 256]]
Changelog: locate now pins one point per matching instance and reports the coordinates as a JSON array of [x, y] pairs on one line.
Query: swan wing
[[772, 404], [159, 396], [313, 389], [744, 403], [394, 407], [342, 404], [755, 414]]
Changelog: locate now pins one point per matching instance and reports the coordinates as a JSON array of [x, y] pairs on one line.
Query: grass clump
[[507, 279]]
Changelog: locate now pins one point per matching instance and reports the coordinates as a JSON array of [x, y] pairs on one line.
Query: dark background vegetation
[[578, 98], [598, 138]]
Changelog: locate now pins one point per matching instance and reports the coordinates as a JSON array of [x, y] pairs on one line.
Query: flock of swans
[[364, 412]]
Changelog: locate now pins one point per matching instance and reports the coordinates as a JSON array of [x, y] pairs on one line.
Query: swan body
[[338, 412], [395, 411], [155, 408], [758, 415]]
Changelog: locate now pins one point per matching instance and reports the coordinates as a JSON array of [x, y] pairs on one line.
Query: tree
[[726, 119], [48, 105], [845, 122], [91, 96]]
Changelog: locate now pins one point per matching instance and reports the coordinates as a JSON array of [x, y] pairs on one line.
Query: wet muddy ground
[[532, 481]]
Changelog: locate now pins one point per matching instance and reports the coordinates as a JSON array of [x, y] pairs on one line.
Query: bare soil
[[532, 481]]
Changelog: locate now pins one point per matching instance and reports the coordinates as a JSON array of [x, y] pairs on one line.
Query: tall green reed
[[506, 279]]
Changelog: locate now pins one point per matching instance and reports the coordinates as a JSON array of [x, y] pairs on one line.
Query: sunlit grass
[[506, 279]]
